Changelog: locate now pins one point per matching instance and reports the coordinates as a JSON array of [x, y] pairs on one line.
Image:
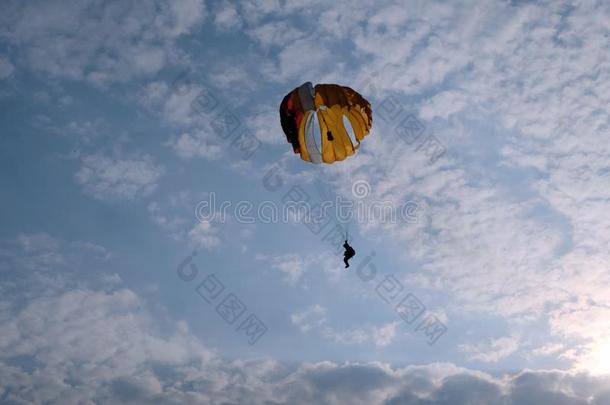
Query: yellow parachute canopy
[[342, 116]]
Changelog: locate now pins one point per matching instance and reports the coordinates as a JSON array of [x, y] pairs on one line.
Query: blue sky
[[113, 141]]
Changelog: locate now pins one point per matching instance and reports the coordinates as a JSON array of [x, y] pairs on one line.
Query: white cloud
[[113, 279], [315, 320], [109, 178], [234, 80], [76, 343], [264, 122], [227, 17], [99, 43], [40, 251], [175, 214], [384, 335], [204, 235], [168, 221], [110, 328], [197, 145], [489, 241], [84, 343], [296, 267], [6, 68], [275, 33], [85, 131], [537, 71], [186, 217], [291, 265], [300, 57], [537, 74], [548, 349], [313, 317], [492, 351]]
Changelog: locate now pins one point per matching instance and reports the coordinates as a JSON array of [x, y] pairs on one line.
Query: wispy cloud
[[314, 320], [110, 178], [99, 43]]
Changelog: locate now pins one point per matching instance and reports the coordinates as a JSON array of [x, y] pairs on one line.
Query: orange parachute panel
[[341, 116]]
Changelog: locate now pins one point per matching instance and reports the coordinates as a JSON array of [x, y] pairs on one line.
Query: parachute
[[342, 117]]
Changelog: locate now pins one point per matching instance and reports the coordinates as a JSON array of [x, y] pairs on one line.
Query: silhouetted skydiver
[[348, 254]]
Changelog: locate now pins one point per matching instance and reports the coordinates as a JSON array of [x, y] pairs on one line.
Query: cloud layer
[[98, 342], [512, 226]]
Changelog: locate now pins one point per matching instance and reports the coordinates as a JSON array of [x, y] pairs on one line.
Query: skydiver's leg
[[345, 259], [349, 256]]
